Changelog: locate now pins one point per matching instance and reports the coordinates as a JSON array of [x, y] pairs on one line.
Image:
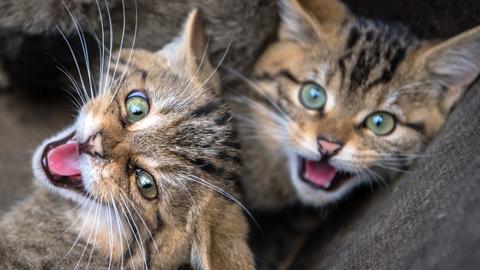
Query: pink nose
[[328, 147]]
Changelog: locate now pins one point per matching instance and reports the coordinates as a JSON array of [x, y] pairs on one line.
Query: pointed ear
[[306, 20], [188, 53], [456, 63]]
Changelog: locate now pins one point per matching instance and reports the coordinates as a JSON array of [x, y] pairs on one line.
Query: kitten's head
[[349, 100], [149, 151]]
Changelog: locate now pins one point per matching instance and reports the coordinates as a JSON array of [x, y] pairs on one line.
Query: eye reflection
[[146, 184], [380, 123], [136, 106], [312, 96]]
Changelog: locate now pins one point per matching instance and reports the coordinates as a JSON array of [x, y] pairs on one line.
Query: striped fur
[[364, 66], [186, 142]]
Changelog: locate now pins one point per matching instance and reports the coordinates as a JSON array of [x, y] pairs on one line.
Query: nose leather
[[328, 147], [93, 146]]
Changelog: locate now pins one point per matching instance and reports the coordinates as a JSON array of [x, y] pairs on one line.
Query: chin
[[312, 194], [72, 187]]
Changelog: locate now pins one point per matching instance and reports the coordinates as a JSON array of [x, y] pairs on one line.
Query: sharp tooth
[[328, 185]]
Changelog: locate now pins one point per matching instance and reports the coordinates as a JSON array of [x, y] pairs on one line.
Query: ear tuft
[[305, 20], [188, 53], [456, 63]]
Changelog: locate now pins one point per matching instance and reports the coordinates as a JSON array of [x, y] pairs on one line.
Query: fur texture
[[229, 25], [185, 143], [364, 66]]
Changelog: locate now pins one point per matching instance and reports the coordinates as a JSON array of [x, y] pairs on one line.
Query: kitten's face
[[348, 101], [149, 123], [148, 150]]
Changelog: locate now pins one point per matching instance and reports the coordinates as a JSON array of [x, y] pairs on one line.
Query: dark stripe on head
[[207, 166], [359, 72], [144, 73], [286, 74], [342, 64], [272, 77], [206, 109], [353, 37], [229, 156], [223, 119], [232, 144], [389, 70], [419, 126]]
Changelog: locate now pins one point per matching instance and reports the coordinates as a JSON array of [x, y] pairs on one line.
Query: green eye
[[136, 106], [381, 123], [313, 96], [146, 184]]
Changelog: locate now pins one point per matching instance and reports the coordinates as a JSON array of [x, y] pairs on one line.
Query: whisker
[[75, 61], [97, 221], [88, 240], [110, 235], [141, 219], [258, 90], [218, 65], [129, 217], [131, 49], [224, 193], [78, 234], [122, 232], [84, 47]]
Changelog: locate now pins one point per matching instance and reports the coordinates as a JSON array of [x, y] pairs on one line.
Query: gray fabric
[[428, 219]]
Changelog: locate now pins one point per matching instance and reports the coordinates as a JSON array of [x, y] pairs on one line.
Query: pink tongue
[[319, 172], [63, 159]]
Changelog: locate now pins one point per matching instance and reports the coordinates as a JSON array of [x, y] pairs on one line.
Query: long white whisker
[[122, 232], [258, 90], [101, 49], [79, 233], [110, 235], [74, 82], [141, 219], [97, 221], [128, 218], [218, 65], [75, 61], [139, 239], [88, 240], [83, 43], [131, 49], [224, 193]]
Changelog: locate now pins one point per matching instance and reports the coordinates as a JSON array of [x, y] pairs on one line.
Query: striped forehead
[[371, 56]]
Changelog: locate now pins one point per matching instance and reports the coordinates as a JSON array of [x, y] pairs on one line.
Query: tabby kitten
[[342, 101], [144, 178]]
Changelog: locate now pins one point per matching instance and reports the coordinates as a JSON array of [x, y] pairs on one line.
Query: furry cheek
[[303, 140]]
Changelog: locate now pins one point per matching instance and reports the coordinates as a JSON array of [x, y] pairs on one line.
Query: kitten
[[144, 178], [342, 101]]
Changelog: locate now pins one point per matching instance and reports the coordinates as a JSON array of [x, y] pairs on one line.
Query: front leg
[[221, 240]]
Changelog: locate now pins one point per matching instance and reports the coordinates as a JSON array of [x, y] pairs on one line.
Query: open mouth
[[60, 164], [319, 174]]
